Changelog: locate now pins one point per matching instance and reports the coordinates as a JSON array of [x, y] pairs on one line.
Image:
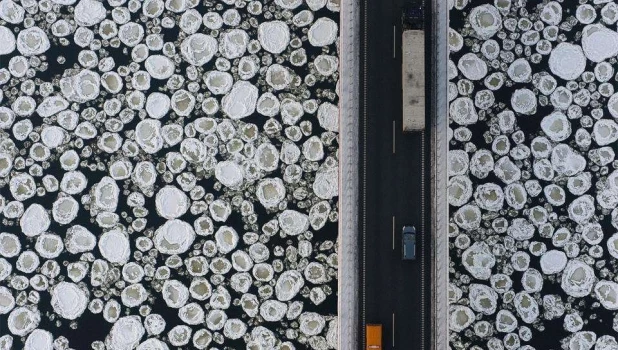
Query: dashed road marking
[[393, 329], [393, 232], [394, 42], [393, 137]]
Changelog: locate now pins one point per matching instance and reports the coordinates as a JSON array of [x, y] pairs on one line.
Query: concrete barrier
[[349, 54]]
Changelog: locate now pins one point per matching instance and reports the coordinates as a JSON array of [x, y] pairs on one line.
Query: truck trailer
[[413, 80]]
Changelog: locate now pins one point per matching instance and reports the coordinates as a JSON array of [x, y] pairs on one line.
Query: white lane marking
[[393, 329], [393, 232], [393, 137], [394, 42]]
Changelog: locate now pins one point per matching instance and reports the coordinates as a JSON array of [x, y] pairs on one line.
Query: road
[[394, 176]]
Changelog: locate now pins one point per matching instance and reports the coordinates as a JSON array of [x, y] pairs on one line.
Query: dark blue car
[[408, 236]]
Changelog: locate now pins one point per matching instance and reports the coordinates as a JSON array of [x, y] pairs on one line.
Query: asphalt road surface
[[394, 175]]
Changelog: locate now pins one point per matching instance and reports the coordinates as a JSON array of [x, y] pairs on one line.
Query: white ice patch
[[114, 246], [599, 43], [240, 102], [68, 300], [567, 61], [323, 32], [174, 237], [171, 202], [274, 36]]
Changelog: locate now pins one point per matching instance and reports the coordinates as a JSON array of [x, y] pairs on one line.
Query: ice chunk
[[524, 101], [175, 294], [485, 20], [288, 285], [229, 173], [114, 246], [323, 32], [326, 185], [521, 229], [567, 61], [607, 293], [606, 342], [483, 299], [11, 12], [328, 116], [273, 310], [234, 328], [89, 12], [462, 111], [32, 41], [582, 340], [599, 43], [293, 222], [506, 170], [171, 202], [39, 340], [198, 49], [106, 194], [472, 67], [612, 244], [157, 105], [267, 157], [489, 196], [605, 132], [552, 13], [79, 240], [274, 36], [565, 161], [49, 246], [526, 306], [233, 43], [160, 67], [556, 126], [191, 314], [577, 279], [23, 320], [240, 102], [506, 322], [153, 344], [9, 245], [478, 260], [174, 237], [553, 261], [459, 190], [125, 333], [65, 209], [52, 105], [460, 317], [581, 209], [148, 135], [226, 238], [35, 220], [520, 71], [68, 300], [516, 196]]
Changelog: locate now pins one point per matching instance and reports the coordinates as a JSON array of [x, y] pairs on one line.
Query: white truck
[[413, 80]]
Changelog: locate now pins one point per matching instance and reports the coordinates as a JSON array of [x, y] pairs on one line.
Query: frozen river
[[533, 188]]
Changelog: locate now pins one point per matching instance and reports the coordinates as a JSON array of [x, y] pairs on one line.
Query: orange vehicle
[[374, 336]]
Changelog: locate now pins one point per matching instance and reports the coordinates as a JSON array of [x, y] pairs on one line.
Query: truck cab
[[374, 336]]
